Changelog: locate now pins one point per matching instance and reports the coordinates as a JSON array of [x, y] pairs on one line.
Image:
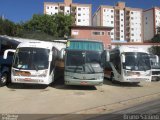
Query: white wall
[[51, 9], [148, 24], [108, 17], [136, 26], [157, 18], [121, 25], [83, 16], [67, 10]]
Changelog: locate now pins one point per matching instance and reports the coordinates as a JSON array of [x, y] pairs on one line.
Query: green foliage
[[63, 23], [156, 38], [9, 28], [43, 27], [55, 25], [155, 50]]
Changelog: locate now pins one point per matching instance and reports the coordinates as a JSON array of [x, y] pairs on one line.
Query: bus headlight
[[126, 73], [149, 73], [43, 74], [14, 72]]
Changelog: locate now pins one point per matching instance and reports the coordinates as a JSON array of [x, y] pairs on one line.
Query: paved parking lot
[[61, 99]]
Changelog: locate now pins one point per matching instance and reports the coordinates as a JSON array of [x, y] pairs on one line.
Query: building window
[[132, 28], [121, 14], [68, 11], [121, 25], [132, 18], [132, 34], [111, 10], [111, 22], [79, 20], [146, 18], [98, 33], [109, 33], [47, 7], [111, 16], [104, 10], [121, 30], [56, 7], [121, 36], [79, 8], [79, 14], [131, 12], [121, 19]]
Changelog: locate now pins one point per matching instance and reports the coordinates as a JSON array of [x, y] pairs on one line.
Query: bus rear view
[[84, 63]]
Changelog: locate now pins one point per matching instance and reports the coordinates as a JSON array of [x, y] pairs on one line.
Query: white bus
[[34, 62], [128, 64]]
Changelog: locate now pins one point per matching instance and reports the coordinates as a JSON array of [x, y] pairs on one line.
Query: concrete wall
[[148, 24]]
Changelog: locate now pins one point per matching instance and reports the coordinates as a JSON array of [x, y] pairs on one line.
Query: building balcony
[[61, 8], [127, 13], [73, 8]]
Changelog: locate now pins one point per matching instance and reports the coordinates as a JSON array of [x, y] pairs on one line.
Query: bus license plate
[[83, 83], [27, 79]]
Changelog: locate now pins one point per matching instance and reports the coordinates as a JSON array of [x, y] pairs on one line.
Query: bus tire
[[3, 80], [136, 83], [112, 79]]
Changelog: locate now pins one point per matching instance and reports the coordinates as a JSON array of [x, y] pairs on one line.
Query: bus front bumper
[[83, 79], [83, 82], [35, 80], [136, 79]]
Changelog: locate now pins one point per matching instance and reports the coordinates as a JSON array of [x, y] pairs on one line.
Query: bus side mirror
[[6, 53], [123, 58], [157, 59], [62, 53], [107, 56]]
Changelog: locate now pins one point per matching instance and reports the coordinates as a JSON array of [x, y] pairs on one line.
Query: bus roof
[[42, 44], [86, 40], [129, 49]]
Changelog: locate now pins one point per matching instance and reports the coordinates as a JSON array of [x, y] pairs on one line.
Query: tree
[[63, 24], [9, 28], [156, 39], [55, 25], [42, 23]]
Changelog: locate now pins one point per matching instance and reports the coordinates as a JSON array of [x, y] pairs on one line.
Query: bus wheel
[[3, 80], [111, 78], [136, 83]]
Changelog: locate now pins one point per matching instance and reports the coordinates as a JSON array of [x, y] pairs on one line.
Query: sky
[[22, 10]]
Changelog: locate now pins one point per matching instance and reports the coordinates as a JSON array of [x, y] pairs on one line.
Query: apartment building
[[81, 12], [151, 19], [126, 21]]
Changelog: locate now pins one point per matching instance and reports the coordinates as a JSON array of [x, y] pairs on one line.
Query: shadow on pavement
[[121, 84], [26, 86]]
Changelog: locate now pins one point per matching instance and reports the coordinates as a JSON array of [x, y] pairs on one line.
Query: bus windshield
[[78, 61], [136, 61], [31, 58]]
